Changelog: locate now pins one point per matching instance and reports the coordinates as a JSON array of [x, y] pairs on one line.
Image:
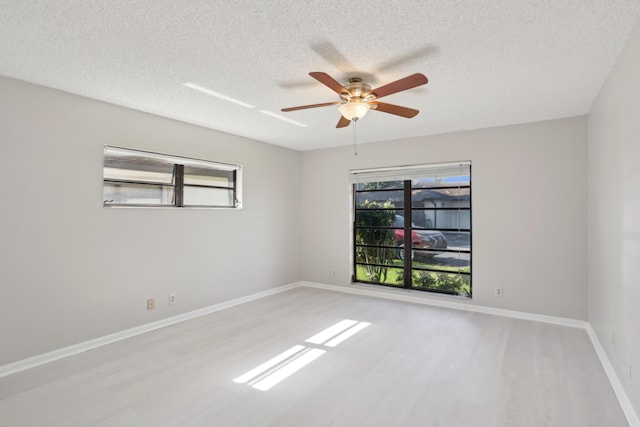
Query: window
[[139, 178], [424, 208]]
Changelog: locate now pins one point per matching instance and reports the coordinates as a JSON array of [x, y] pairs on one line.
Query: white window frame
[[172, 189]]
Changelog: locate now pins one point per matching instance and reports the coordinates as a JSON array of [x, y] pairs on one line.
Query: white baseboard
[[625, 403], [457, 303], [51, 356]]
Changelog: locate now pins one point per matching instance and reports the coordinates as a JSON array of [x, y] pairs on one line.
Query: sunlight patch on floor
[[287, 363]]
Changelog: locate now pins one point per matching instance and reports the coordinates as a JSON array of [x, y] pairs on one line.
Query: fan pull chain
[[355, 140]]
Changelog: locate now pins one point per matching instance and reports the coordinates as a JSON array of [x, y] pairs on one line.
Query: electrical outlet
[[498, 292], [172, 299], [613, 341], [151, 303], [627, 366]]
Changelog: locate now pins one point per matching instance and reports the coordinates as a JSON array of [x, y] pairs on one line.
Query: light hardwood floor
[[414, 365]]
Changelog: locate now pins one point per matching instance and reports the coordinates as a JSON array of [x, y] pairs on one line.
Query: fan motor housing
[[357, 88]]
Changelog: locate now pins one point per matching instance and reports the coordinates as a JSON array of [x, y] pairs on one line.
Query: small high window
[[140, 178]]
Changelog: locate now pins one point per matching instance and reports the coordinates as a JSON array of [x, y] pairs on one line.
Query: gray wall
[[614, 217], [71, 270], [529, 210]]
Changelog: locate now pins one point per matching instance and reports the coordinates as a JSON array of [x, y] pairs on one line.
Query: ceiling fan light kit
[[354, 110], [357, 98]]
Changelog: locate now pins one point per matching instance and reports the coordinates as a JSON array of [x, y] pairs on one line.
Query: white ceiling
[[489, 62]]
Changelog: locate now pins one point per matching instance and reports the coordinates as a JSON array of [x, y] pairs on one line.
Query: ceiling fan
[[357, 98]]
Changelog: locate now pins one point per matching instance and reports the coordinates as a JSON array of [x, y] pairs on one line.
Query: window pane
[[452, 219], [448, 177], [453, 262], [376, 255], [137, 194], [387, 275], [377, 199], [376, 237], [378, 218], [458, 240], [422, 239], [208, 177], [443, 198], [379, 185], [203, 196], [442, 282], [154, 172]]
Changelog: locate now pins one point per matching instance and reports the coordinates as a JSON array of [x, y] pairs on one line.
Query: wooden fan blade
[[343, 122], [304, 107], [395, 109], [408, 82], [329, 82]]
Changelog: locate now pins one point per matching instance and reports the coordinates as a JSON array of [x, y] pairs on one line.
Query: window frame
[[176, 185], [405, 175]]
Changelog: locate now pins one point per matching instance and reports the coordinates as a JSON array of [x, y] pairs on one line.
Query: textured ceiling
[[489, 62]]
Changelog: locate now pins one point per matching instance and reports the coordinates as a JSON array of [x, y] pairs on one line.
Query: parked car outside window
[[421, 239]]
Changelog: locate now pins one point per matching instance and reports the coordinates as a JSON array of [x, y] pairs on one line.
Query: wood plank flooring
[[414, 365]]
